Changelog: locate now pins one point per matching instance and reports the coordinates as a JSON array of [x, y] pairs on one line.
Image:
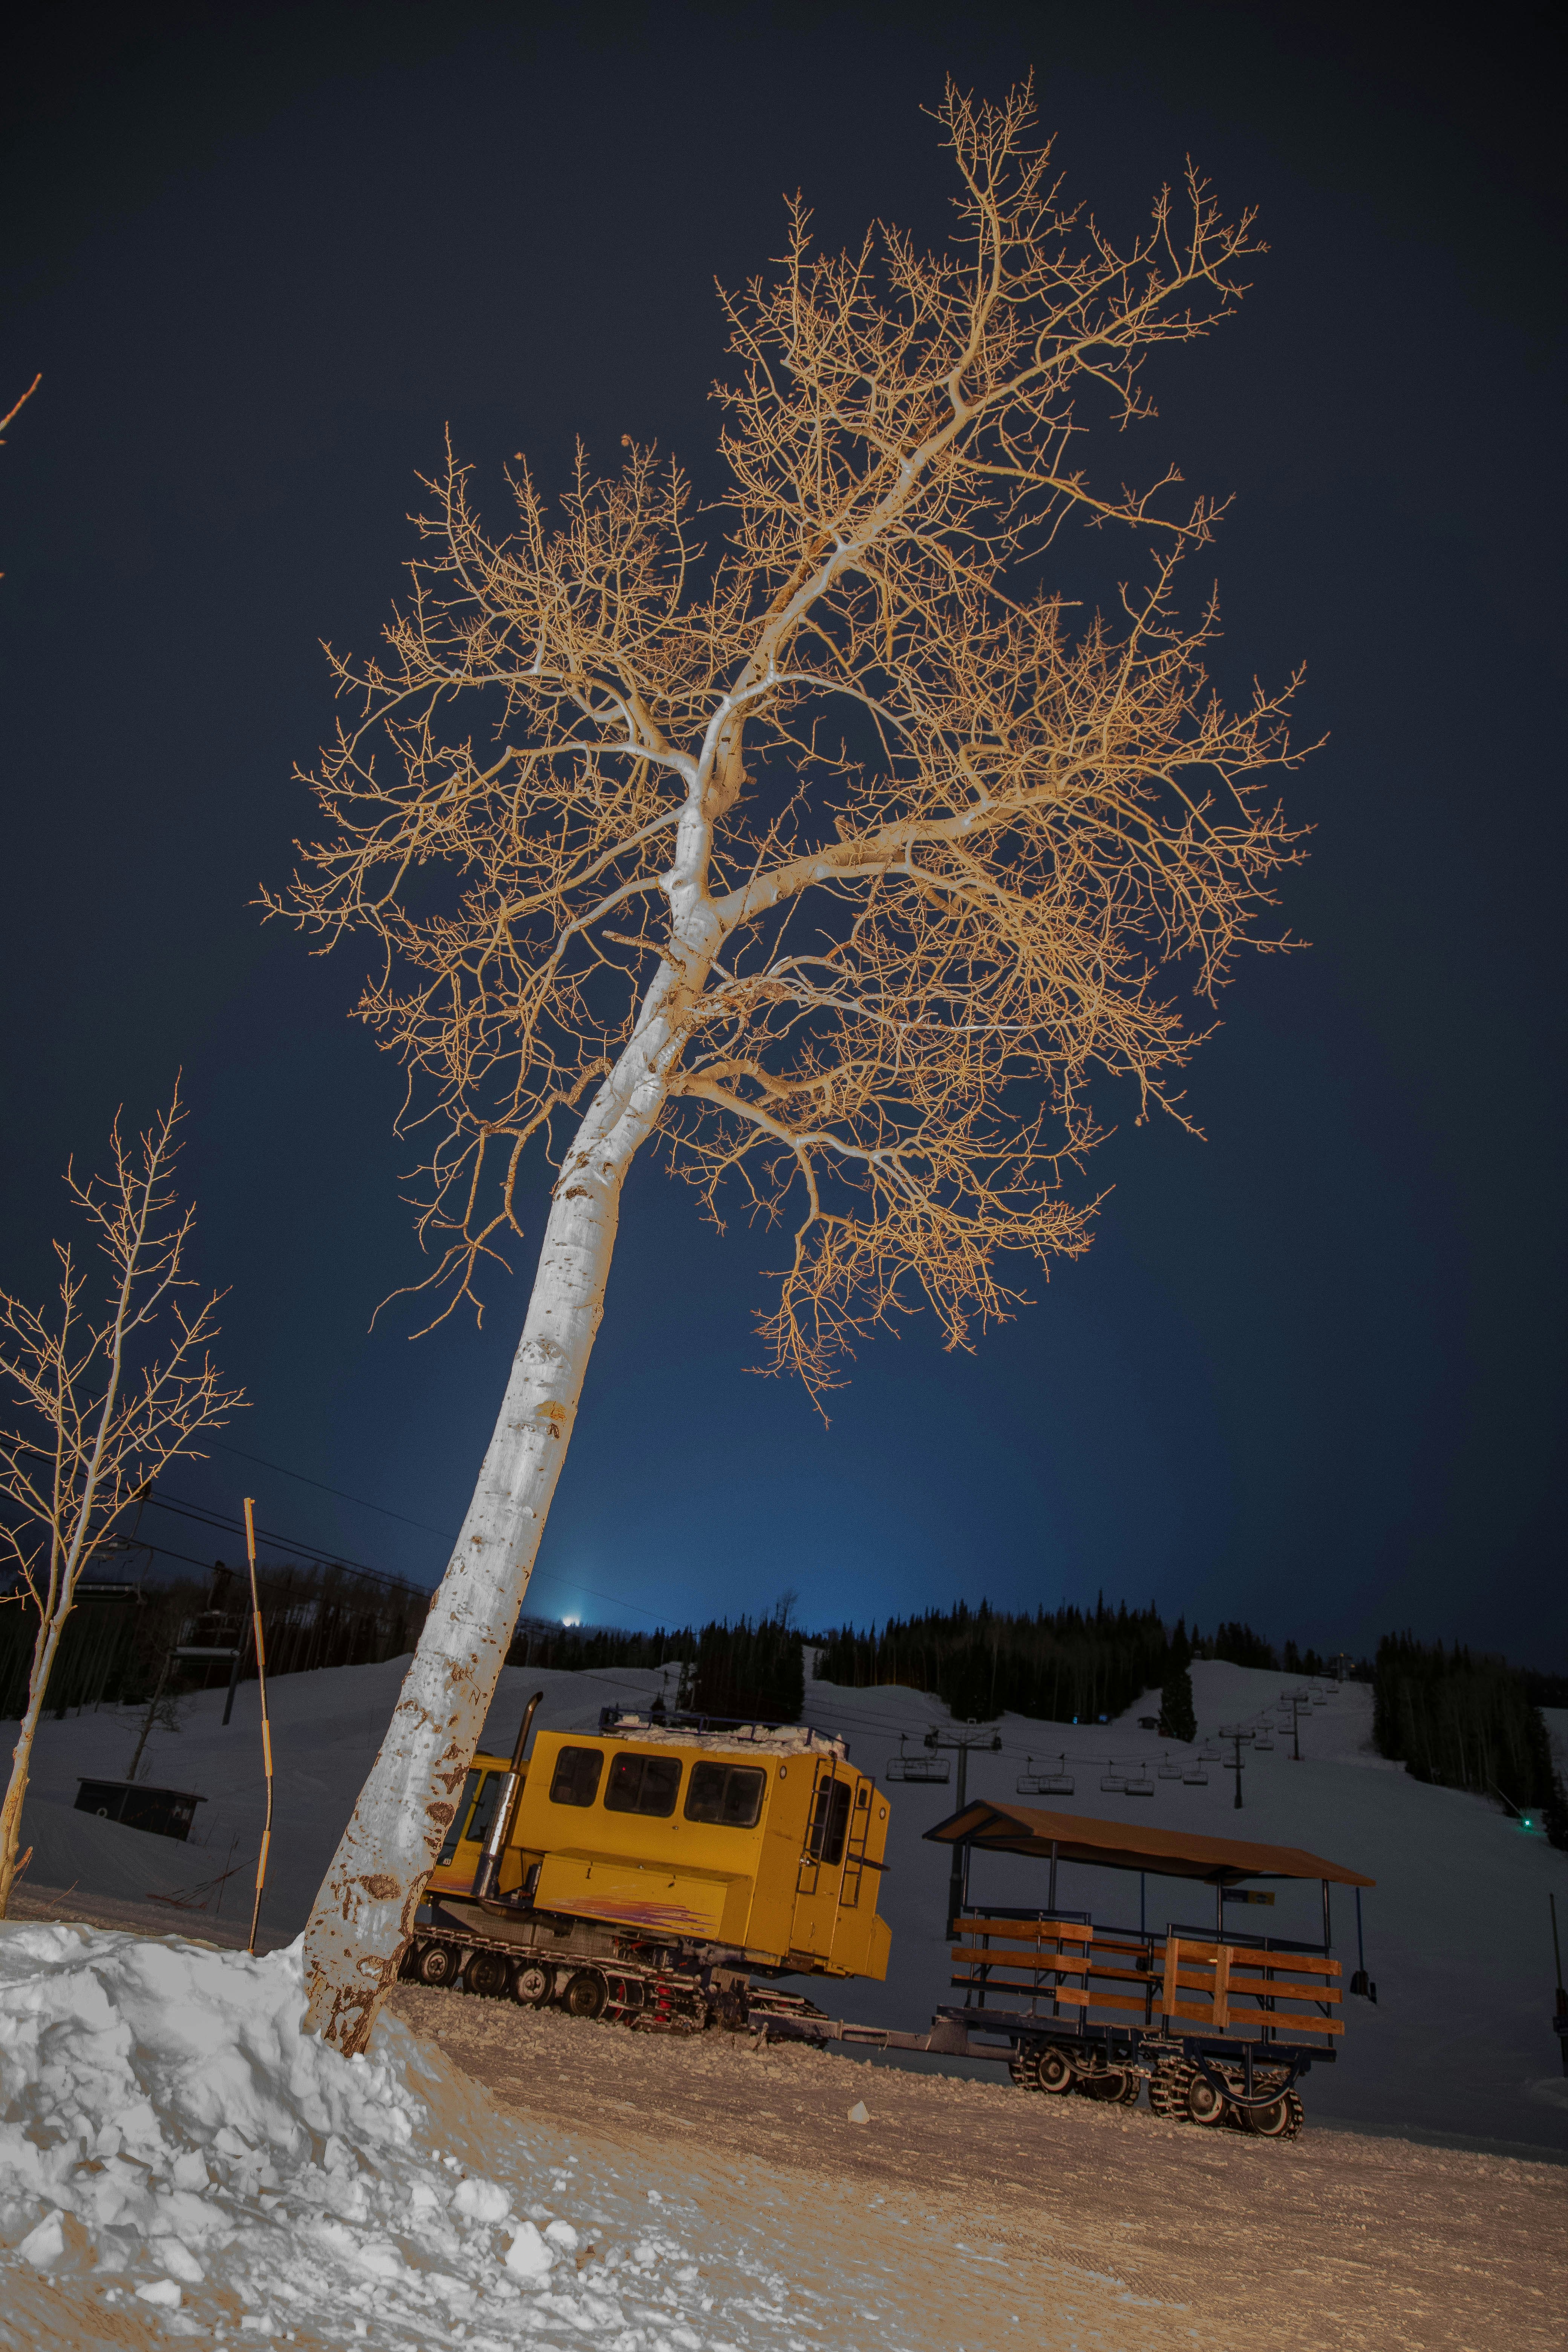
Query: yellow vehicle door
[[820, 1876]]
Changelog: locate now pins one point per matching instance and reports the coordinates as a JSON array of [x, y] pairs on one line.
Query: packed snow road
[[988, 2216], [178, 2162]]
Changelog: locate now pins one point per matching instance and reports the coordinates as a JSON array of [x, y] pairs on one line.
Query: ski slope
[[1458, 1929]]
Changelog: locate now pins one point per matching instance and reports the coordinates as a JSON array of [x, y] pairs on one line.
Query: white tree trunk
[[363, 1914], [44, 1658]]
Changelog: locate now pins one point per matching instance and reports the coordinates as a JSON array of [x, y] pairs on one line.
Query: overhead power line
[[341, 1492], [329, 1559], [326, 1557]]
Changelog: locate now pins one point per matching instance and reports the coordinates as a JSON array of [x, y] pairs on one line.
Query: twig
[[17, 405], [185, 1900], [266, 1725]]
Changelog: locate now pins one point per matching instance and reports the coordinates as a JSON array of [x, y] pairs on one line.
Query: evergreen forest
[[1467, 1722]]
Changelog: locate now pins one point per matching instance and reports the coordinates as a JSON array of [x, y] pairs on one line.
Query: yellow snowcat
[[646, 1872]]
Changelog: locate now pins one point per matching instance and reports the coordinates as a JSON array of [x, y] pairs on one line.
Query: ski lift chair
[[1194, 1777], [928, 1767], [1170, 1769]]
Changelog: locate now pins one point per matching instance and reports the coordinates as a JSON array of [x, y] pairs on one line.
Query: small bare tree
[[104, 1402], [836, 851]]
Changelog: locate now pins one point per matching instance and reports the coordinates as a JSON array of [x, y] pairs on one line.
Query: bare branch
[[17, 405], [902, 962]]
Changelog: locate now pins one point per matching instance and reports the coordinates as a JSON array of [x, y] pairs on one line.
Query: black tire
[[435, 1964], [531, 1984], [1024, 2067], [585, 1995], [486, 1974], [1205, 2105], [1131, 2084], [1281, 2119], [1168, 2090], [1054, 2071]]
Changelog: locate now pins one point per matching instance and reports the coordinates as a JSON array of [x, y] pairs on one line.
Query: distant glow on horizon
[[570, 1620]]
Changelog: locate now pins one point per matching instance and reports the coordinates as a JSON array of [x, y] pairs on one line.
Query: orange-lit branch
[[913, 843]]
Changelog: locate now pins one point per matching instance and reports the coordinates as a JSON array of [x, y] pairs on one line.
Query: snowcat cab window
[[577, 1772], [830, 1820], [465, 1806], [643, 1784], [730, 1793]]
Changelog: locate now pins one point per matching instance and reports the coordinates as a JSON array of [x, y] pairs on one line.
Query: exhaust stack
[[488, 1870]]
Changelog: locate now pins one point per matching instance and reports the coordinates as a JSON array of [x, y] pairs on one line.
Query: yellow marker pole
[[266, 1727]]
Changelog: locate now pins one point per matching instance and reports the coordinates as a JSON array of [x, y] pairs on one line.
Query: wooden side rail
[[1069, 1964], [1074, 1995], [1254, 1955], [1189, 1979], [1028, 1931], [1230, 1974]]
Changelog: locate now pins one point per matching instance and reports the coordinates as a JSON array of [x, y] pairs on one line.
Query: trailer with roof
[[1221, 2024]]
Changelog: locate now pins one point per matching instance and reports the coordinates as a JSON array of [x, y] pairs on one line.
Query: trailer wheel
[[1115, 2085], [437, 1964], [1168, 2090], [486, 1974], [585, 1995], [1024, 2067], [1205, 2105], [1053, 2069], [1281, 2119], [530, 1985]]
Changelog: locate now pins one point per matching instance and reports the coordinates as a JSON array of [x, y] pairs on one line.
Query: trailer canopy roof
[[1128, 1845]]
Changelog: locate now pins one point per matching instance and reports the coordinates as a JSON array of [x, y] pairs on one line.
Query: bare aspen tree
[[815, 833], [100, 1403]]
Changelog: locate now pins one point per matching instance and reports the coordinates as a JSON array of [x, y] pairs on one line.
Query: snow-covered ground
[[1457, 1930], [176, 2159]]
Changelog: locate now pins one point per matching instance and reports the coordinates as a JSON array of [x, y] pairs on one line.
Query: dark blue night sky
[[1312, 1372]]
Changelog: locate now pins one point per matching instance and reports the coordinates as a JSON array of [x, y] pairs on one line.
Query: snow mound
[[176, 2157]]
